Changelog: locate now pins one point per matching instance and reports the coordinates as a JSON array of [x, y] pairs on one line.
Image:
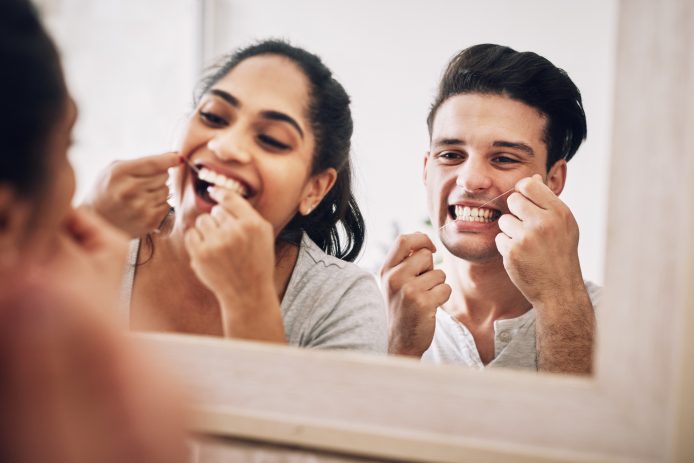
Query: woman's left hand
[[232, 251]]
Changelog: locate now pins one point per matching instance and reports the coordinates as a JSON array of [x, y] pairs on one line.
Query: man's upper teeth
[[473, 214], [218, 179]]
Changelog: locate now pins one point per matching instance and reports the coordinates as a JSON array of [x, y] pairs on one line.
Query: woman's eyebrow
[[278, 116], [271, 115], [228, 97]]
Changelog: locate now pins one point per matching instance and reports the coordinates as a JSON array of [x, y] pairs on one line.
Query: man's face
[[481, 145]]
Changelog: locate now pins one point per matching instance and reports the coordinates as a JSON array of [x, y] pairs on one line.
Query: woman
[[69, 389], [265, 222]]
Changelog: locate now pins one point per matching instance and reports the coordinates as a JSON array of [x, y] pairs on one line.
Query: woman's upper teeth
[[467, 212], [218, 179]]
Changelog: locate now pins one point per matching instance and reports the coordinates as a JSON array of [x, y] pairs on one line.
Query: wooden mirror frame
[[637, 407]]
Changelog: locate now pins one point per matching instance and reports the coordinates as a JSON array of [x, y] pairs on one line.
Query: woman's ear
[[556, 177], [14, 221], [315, 190]]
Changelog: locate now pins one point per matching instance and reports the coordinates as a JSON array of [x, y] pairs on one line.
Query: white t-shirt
[[514, 340]]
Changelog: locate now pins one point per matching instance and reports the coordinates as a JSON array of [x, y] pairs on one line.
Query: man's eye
[[269, 141], [505, 160], [212, 118], [450, 156]]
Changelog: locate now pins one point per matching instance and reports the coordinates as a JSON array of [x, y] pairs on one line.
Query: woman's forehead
[[269, 83]]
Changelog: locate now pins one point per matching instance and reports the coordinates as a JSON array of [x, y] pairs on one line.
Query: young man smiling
[[502, 127]]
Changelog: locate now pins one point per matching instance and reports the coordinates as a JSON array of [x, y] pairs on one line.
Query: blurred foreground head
[[71, 388]]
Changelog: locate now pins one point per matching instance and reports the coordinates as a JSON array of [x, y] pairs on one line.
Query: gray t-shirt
[[514, 340], [329, 303]]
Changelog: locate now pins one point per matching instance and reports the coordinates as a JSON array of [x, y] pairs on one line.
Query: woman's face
[[251, 128]]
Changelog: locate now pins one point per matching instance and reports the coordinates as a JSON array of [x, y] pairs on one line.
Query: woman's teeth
[[474, 214], [215, 178]]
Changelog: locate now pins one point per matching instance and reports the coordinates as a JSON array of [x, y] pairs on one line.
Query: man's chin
[[472, 252]]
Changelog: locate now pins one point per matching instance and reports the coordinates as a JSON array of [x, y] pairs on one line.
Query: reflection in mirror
[[389, 57]]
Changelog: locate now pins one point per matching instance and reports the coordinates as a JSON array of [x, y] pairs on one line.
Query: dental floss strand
[[190, 164], [493, 199]]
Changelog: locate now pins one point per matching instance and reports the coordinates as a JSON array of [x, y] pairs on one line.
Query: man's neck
[[482, 292]]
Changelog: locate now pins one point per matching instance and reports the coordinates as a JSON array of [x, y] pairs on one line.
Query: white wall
[[389, 55], [132, 66]]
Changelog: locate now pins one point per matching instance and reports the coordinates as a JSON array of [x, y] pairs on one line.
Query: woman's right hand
[[132, 195]]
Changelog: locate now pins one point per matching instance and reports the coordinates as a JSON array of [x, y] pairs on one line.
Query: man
[[502, 128]]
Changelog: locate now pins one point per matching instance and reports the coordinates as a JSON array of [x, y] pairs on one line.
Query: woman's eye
[[269, 141], [212, 118]]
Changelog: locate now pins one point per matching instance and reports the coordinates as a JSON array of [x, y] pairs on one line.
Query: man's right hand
[[413, 290], [132, 195]]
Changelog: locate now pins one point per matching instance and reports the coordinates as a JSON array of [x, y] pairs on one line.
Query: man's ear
[[14, 218], [556, 177], [425, 167], [315, 190]]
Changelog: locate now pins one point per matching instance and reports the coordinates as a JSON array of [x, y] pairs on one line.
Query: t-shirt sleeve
[[353, 316]]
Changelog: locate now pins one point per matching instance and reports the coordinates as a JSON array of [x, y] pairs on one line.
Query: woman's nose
[[227, 145]]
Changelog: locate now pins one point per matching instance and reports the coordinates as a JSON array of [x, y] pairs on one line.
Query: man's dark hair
[[523, 76]]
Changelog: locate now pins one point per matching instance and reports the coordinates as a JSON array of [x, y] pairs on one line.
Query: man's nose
[[474, 176], [229, 145]]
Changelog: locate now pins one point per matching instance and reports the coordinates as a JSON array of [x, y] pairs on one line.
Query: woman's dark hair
[[336, 224], [523, 76], [34, 95]]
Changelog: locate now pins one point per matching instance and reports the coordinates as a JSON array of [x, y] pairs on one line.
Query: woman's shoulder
[[314, 261]]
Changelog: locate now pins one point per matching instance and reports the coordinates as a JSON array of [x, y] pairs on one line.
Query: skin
[[70, 389], [482, 146], [225, 260]]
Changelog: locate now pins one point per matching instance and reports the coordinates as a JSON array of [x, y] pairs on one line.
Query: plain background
[[132, 67]]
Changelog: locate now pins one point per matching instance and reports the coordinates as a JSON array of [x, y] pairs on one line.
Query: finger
[[511, 226], [192, 240], [206, 225], [440, 294], [155, 197], [153, 165], [420, 262], [232, 202], [503, 244], [221, 215], [536, 191], [404, 246], [429, 280], [522, 207]]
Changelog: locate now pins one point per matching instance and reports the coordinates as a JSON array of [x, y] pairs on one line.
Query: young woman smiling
[[265, 223]]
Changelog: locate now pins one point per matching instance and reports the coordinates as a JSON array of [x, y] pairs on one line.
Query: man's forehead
[[480, 115]]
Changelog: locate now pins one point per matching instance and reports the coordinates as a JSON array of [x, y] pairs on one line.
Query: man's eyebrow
[[448, 142], [278, 116], [514, 145], [228, 97]]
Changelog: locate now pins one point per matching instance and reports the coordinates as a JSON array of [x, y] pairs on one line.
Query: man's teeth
[[215, 178], [473, 214]]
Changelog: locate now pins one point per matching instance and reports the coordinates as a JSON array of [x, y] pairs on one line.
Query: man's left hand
[[539, 243]]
